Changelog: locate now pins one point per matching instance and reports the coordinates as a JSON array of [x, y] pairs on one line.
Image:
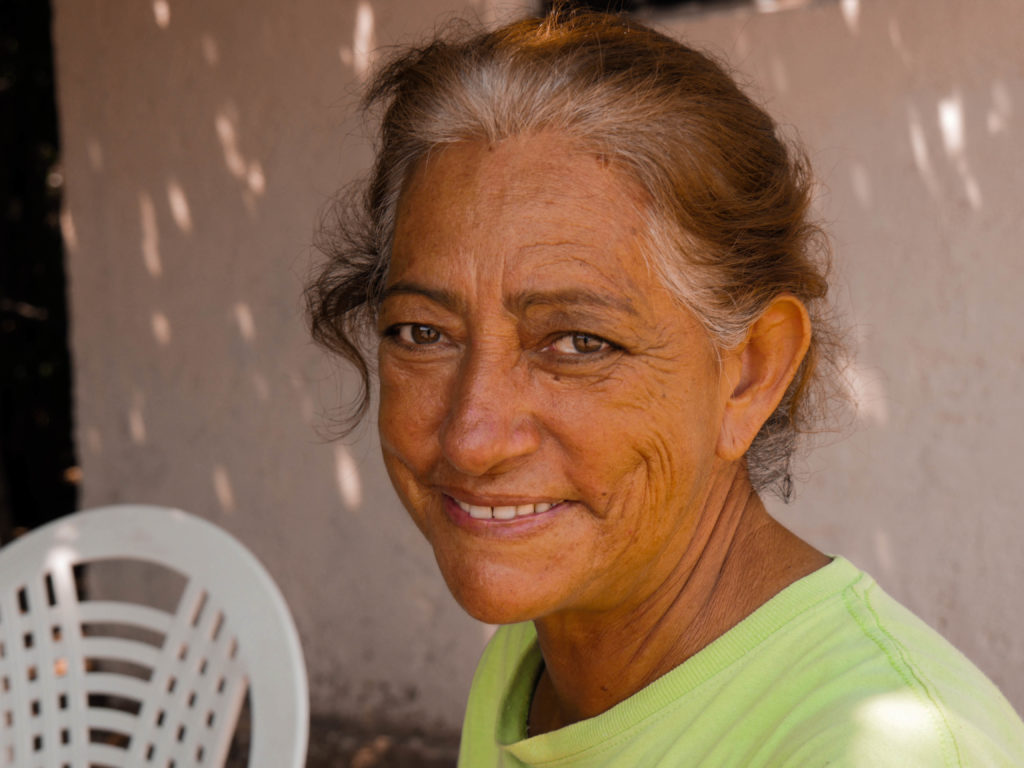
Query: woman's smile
[[504, 511]]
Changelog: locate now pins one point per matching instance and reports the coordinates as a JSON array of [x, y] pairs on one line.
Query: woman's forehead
[[529, 202], [541, 168]]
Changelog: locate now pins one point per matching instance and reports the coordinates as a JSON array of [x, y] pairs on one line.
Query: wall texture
[[200, 141]]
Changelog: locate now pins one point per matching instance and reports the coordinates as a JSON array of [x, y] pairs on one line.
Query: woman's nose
[[490, 425]]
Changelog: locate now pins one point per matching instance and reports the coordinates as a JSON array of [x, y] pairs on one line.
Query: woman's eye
[[416, 335], [578, 343]]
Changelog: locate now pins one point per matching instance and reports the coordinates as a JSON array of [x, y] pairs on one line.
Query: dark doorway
[[38, 472]]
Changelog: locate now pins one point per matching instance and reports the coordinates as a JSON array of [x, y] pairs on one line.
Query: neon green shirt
[[831, 671]]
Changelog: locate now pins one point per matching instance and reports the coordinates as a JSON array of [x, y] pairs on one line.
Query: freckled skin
[[501, 254]]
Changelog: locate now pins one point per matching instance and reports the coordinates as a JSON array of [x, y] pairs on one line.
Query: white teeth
[[480, 513], [504, 512]]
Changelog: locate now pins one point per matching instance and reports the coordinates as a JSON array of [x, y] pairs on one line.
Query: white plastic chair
[[74, 694]]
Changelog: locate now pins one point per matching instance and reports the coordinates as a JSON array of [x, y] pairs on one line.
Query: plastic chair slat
[[119, 649], [107, 719], [111, 684], [99, 753], [129, 614]]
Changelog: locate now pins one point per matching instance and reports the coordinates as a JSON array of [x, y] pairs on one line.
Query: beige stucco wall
[[200, 141]]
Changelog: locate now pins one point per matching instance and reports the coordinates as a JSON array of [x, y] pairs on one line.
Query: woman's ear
[[758, 371]]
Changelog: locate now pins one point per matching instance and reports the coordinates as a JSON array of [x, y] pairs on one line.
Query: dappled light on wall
[[346, 474], [861, 183], [211, 51], [229, 143], [771, 6], [364, 42], [245, 322], [951, 123], [919, 148], [255, 179], [136, 420], [851, 14], [161, 327], [866, 390], [162, 13], [998, 118], [249, 172], [179, 206], [223, 489], [67, 230], [150, 236], [883, 550]]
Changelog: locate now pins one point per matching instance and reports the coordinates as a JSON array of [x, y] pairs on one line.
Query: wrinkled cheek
[[665, 480]]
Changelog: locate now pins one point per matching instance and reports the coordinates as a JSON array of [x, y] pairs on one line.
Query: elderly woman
[[600, 311]]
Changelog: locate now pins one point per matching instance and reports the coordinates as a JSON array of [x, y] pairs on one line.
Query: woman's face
[[548, 413]]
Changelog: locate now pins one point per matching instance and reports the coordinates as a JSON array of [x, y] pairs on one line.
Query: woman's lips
[[474, 510], [504, 512]]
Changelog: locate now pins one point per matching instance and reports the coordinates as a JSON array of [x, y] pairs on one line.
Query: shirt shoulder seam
[[899, 659]]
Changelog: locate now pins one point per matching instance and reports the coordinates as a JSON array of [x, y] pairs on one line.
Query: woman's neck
[[739, 558]]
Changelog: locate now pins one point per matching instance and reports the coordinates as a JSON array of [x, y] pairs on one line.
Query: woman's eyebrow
[[446, 299], [568, 298], [519, 303]]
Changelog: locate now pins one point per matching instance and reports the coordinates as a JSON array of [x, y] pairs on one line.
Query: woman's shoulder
[[865, 678]]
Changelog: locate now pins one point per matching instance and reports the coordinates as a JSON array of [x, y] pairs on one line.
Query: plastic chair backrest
[[166, 688]]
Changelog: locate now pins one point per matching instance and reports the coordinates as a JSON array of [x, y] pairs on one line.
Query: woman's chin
[[495, 613], [498, 597]]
